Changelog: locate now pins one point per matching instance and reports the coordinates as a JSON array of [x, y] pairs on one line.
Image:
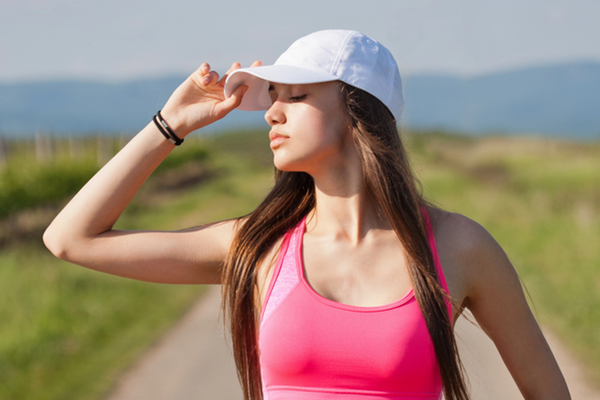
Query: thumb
[[233, 101]]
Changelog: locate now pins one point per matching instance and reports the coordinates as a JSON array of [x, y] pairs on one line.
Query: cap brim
[[257, 79]]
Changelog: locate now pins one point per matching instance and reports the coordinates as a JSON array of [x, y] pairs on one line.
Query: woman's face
[[310, 127]]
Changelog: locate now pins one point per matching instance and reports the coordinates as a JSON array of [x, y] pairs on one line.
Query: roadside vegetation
[[540, 199], [67, 332], [45, 171]]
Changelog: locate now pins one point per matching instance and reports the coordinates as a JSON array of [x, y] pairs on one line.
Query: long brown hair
[[394, 190]]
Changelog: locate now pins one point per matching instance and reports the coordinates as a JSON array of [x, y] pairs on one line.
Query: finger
[[204, 68], [210, 78], [232, 101], [234, 66], [237, 65]]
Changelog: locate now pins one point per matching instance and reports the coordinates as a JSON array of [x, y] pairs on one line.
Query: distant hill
[[80, 107], [559, 100]]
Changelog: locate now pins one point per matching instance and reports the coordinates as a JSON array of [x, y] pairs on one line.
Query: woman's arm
[[489, 286], [82, 232]]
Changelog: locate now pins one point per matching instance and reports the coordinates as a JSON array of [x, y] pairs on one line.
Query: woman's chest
[[310, 339], [371, 274]]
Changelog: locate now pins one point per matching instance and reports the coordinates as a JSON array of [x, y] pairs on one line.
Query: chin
[[290, 164], [286, 168], [282, 164]]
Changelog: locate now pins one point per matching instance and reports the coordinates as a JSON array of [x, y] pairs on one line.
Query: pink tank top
[[315, 348]]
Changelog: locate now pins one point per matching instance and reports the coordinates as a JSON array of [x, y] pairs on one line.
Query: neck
[[343, 206]]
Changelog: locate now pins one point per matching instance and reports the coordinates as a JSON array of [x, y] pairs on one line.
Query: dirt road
[[193, 362]]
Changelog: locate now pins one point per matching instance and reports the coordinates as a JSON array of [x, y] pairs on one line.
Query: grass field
[[67, 332], [541, 201]]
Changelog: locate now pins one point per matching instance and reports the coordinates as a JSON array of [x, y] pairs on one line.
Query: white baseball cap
[[324, 56]]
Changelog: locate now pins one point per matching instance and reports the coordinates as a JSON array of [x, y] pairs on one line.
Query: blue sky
[[126, 39]]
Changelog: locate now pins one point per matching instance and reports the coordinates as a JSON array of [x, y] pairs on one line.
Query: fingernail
[[206, 80]]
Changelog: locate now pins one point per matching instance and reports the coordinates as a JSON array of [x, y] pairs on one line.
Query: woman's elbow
[[56, 242]]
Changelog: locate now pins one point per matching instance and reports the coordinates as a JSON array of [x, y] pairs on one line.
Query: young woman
[[344, 282]]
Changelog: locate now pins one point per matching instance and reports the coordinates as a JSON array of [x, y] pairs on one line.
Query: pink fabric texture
[[314, 348]]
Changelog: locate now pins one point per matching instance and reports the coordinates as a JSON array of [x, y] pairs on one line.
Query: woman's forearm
[[197, 102]]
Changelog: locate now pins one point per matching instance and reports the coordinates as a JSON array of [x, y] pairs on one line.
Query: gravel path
[[193, 361]]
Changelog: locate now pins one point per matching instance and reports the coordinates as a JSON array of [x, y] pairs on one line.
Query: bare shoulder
[[470, 256], [481, 277], [464, 237]]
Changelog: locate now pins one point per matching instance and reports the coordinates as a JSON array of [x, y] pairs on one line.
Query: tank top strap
[[285, 276], [436, 258]]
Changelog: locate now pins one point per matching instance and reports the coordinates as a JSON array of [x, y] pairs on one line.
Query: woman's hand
[[199, 100], [82, 232]]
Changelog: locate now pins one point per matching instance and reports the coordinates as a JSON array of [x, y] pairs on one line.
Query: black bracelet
[[166, 130], [162, 130]]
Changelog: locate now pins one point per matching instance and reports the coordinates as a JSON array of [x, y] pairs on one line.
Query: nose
[[275, 115]]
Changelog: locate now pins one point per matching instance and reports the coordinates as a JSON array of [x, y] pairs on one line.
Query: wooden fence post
[[43, 146], [104, 149], [76, 147], [3, 151]]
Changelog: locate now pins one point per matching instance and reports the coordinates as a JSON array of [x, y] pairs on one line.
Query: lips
[[276, 139]]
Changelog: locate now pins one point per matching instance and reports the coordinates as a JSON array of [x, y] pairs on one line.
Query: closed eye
[[297, 98]]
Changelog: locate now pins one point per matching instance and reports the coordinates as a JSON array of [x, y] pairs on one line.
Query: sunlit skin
[[312, 134], [310, 131], [350, 253]]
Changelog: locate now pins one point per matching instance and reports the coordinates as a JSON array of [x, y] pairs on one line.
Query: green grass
[[541, 201], [26, 182], [67, 332]]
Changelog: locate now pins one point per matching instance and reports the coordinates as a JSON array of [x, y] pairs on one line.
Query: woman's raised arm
[[82, 232]]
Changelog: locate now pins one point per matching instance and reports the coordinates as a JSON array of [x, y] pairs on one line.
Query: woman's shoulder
[[468, 252], [460, 234]]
